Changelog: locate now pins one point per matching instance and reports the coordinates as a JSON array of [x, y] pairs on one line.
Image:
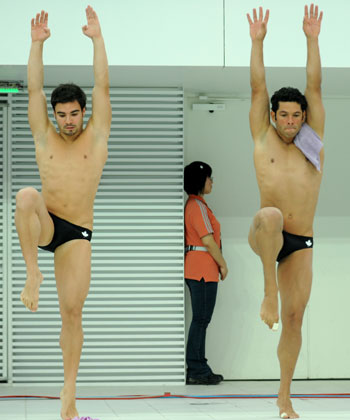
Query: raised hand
[[39, 29], [258, 27], [312, 21], [92, 29]]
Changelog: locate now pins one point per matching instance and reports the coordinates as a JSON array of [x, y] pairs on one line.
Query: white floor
[[181, 408]]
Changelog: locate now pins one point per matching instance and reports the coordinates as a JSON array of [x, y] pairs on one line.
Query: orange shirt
[[200, 221]]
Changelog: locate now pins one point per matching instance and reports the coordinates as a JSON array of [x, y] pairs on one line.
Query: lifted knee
[[27, 198], [269, 219]]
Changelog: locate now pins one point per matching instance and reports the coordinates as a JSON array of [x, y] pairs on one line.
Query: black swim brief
[[65, 231], [292, 243]]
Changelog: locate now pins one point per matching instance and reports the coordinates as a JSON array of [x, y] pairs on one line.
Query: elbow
[[207, 241]]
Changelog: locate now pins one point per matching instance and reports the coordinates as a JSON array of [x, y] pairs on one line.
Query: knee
[[269, 219], [72, 315], [293, 319], [26, 198], [201, 321]]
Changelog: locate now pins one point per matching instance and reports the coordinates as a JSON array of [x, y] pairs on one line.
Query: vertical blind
[[134, 315], [3, 240]]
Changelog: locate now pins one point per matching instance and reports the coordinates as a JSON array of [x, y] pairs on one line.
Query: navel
[[290, 216], [272, 160], [51, 156], [85, 157]]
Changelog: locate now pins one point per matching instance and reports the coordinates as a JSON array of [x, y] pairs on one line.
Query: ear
[[273, 116], [83, 111], [304, 116]]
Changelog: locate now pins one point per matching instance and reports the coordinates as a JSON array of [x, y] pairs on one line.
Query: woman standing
[[203, 265]]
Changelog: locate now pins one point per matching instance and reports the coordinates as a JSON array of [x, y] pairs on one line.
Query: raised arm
[[315, 115], [101, 106], [37, 107], [259, 115]]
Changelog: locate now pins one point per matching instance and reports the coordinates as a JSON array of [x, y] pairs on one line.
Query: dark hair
[[195, 175], [288, 94], [68, 92]]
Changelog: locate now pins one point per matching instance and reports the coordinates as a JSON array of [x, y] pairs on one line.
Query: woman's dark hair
[[68, 92], [288, 94], [195, 175]]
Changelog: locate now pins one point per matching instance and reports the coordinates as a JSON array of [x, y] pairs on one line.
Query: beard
[[70, 131]]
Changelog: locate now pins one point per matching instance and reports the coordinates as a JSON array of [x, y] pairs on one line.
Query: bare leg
[[72, 270], [34, 227], [295, 278], [266, 240]]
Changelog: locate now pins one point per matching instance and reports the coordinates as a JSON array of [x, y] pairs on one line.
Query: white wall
[[136, 32], [173, 32], [239, 345], [285, 44]]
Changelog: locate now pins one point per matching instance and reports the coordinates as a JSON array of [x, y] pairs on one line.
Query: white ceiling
[[229, 81]]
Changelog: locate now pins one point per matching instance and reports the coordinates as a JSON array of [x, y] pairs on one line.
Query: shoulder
[[196, 207]]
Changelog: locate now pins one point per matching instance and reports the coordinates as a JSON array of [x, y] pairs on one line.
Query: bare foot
[[269, 310], [286, 409], [30, 293], [68, 410]]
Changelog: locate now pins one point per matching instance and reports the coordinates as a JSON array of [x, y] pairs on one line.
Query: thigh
[[197, 293], [252, 233], [46, 225], [203, 298], [73, 273], [211, 289], [32, 198], [294, 281]]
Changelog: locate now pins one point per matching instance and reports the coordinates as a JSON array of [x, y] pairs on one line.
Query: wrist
[[312, 38], [37, 42], [97, 38], [257, 41]]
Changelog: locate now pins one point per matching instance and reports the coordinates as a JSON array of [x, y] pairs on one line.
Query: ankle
[[33, 272], [284, 395], [68, 388]]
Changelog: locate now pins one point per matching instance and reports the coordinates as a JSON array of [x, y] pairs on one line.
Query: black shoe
[[220, 377], [211, 379]]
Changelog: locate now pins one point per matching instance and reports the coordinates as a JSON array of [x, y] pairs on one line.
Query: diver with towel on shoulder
[[288, 157]]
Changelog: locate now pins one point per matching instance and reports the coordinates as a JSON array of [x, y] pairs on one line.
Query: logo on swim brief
[[85, 234], [308, 242]]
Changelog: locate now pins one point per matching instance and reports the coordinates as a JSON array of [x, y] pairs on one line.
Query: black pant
[[203, 297]]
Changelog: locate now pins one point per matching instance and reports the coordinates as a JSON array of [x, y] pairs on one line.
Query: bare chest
[[285, 165], [287, 180], [69, 162]]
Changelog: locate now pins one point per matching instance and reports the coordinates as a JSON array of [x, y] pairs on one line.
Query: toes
[[284, 415], [29, 304]]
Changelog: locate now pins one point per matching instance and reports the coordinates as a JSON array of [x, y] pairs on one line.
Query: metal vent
[[134, 315]]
